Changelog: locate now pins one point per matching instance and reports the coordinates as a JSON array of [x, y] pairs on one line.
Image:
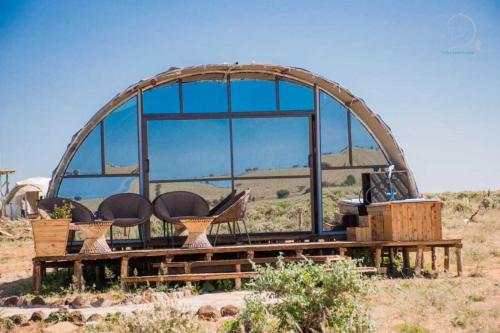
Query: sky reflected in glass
[[87, 159], [204, 97], [295, 97], [253, 95], [162, 99]]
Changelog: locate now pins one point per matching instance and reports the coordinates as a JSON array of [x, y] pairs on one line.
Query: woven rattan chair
[[126, 210], [231, 211], [79, 213], [170, 206]]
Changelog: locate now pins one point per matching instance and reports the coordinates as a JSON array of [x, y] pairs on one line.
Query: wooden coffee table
[[94, 234], [197, 231]]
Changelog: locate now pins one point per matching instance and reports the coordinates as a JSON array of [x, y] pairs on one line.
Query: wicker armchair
[[79, 213], [170, 206], [126, 210], [231, 211]]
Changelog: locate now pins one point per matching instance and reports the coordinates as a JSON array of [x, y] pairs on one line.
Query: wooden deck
[[236, 262]]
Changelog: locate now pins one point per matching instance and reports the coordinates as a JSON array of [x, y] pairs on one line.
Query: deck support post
[[37, 277], [250, 255], [458, 252], [237, 281], [433, 258], [77, 274], [342, 251], [378, 258], [391, 259], [418, 261], [406, 260], [123, 271], [446, 259]]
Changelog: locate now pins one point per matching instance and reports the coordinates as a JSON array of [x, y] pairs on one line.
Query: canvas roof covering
[[373, 122]]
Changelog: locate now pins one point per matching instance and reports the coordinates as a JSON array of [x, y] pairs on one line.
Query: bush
[[350, 180], [309, 298], [282, 194]]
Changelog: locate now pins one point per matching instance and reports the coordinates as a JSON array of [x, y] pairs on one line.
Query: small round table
[[94, 237], [197, 231]]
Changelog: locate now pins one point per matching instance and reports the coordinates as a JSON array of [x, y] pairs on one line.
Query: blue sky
[[413, 62]]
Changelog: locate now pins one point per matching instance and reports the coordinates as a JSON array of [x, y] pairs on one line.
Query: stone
[[78, 303], [37, 316], [97, 302], [61, 327], [18, 319], [149, 296], [12, 301], [37, 300], [76, 317], [207, 312], [229, 311], [95, 317]]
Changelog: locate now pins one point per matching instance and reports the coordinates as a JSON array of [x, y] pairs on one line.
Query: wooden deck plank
[[249, 249]]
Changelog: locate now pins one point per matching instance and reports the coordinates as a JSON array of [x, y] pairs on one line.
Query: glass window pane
[[187, 149], [253, 95], [365, 150], [121, 140], [204, 96], [271, 146], [87, 159], [295, 97], [277, 204], [162, 99], [339, 185], [334, 134], [92, 191]]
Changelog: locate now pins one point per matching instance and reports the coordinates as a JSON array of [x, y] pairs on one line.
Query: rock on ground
[[207, 312], [229, 311]]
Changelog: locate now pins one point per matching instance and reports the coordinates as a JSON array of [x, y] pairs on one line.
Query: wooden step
[[257, 261], [209, 276]]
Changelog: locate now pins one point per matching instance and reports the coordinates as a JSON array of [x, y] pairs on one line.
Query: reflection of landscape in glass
[[204, 97], [121, 140], [162, 99], [334, 133], [365, 150], [253, 95], [268, 147], [277, 204], [92, 191], [295, 97], [87, 159], [187, 149]]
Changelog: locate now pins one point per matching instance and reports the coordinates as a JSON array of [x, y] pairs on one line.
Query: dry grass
[[449, 303]]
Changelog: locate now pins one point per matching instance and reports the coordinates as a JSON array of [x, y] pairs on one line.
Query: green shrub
[[350, 180], [309, 298], [282, 194]]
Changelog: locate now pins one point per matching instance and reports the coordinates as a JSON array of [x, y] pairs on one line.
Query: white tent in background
[[21, 200]]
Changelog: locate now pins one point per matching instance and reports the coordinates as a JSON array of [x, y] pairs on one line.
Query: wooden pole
[[237, 281], [433, 258], [391, 259], [458, 252], [406, 260], [77, 274], [446, 259], [37, 277], [378, 258], [418, 263], [123, 271]]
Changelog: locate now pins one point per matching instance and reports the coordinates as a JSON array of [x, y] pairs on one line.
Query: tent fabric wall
[[373, 122]]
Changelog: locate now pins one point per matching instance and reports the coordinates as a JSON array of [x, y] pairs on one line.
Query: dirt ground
[[444, 304]]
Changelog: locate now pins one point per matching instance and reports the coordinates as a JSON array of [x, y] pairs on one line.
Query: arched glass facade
[[294, 145]]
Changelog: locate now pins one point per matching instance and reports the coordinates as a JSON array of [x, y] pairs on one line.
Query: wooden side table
[[94, 234], [197, 231]]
